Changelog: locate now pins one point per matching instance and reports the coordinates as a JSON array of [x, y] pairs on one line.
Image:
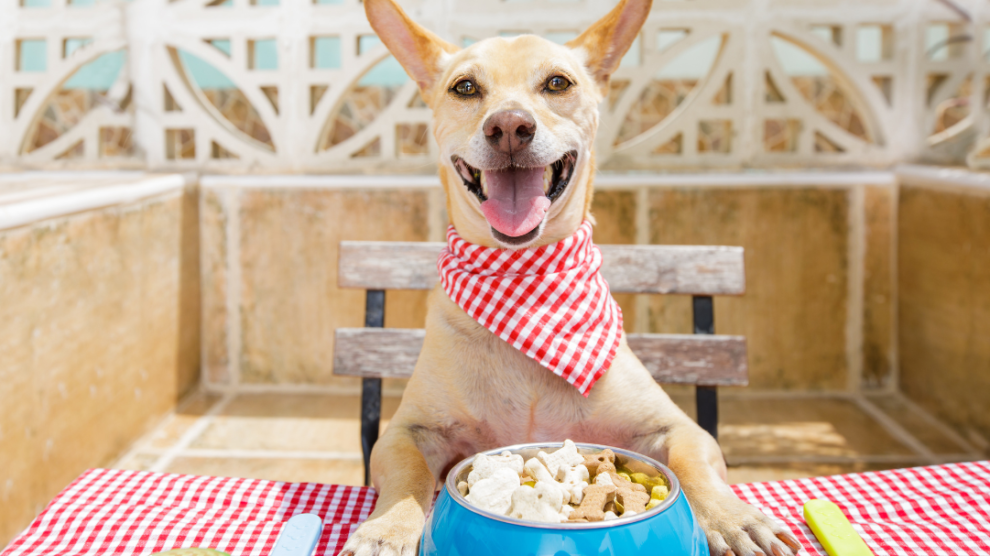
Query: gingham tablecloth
[[927, 510]]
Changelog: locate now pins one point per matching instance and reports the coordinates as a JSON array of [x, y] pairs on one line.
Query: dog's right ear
[[419, 51], [609, 38]]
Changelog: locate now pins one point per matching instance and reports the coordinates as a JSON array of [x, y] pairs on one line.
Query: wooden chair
[[702, 359]]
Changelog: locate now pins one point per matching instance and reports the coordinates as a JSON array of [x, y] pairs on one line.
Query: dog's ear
[[418, 50], [610, 37]]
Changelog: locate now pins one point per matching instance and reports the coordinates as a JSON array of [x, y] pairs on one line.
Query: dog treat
[[631, 500], [535, 469], [555, 486], [542, 503], [575, 479], [484, 466], [593, 504], [495, 492], [660, 492], [619, 480], [568, 455], [594, 460], [647, 481]]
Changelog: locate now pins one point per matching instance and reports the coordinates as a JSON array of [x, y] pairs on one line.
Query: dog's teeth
[[547, 178], [484, 183]]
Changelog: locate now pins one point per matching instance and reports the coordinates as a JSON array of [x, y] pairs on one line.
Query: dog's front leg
[[732, 526], [405, 491]]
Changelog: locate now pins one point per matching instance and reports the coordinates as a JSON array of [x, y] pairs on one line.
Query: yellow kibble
[[659, 493], [653, 503], [530, 484], [625, 476]]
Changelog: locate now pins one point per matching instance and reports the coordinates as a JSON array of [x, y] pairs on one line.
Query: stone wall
[[99, 334], [944, 297]]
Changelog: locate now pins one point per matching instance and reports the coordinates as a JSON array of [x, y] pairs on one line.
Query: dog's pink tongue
[[516, 202]]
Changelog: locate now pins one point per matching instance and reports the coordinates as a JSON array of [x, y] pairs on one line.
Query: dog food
[[562, 486]]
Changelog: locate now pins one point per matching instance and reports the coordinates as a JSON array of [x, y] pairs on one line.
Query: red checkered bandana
[[549, 302]]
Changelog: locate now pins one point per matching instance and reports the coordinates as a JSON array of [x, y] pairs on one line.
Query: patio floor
[[765, 436]]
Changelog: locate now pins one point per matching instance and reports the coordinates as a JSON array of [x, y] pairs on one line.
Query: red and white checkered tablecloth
[[937, 510]]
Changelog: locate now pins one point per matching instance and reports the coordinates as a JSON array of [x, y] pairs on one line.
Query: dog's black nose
[[510, 131]]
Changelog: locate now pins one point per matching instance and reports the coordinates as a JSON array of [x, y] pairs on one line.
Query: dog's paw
[[384, 536], [738, 529]]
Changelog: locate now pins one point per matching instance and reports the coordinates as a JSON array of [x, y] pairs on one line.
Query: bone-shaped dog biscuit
[[495, 492], [595, 498], [484, 466], [567, 455], [535, 469], [618, 480], [541, 503], [632, 501], [592, 461], [574, 478]]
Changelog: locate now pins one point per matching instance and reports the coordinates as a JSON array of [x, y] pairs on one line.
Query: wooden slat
[[681, 269], [702, 359], [388, 265], [670, 358], [377, 352], [671, 269]]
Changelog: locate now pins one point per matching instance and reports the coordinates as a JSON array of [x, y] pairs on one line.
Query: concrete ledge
[[942, 177], [70, 193]]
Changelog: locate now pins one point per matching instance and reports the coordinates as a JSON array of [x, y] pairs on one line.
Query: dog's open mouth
[[515, 200]]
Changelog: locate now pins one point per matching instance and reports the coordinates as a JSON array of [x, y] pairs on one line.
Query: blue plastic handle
[[299, 536]]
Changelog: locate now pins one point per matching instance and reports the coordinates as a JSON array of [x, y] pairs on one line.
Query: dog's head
[[515, 120]]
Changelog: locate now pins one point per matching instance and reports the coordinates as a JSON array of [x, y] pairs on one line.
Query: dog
[[528, 108]]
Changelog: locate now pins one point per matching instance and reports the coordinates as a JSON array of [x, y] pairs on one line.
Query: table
[[937, 510]]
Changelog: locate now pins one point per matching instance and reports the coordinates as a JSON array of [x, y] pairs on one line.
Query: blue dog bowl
[[458, 528]]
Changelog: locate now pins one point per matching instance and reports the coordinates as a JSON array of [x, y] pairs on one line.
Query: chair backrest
[[702, 359]]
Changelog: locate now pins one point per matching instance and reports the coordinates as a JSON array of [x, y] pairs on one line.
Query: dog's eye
[[558, 83], [465, 88]]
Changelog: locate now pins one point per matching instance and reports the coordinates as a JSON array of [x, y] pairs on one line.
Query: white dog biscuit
[[535, 469], [542, 503], [574, 478], [568, 455], [495, 492], [484, 466]]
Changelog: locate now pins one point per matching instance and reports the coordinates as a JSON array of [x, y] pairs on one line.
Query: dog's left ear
[[418, 50], [606, 42]]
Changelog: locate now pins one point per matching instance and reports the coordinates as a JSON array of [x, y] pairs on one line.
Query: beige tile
[[290, 304], [188, 412], [801, 427], [794, 311], [337, 472], [878, 287], [760, 474], [139, 461], [293, 422], [213, 249], [615, 217], [944, 305], [917, 425], [189, 295], [94, 353]]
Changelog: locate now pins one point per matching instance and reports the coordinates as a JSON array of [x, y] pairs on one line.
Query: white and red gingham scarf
[[550, 302]]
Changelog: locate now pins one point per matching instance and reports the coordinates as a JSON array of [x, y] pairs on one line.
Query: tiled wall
[[944, 298], [99, 336], [817, 315]]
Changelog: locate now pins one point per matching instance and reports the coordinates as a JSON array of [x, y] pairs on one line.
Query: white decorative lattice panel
[[305, 86]]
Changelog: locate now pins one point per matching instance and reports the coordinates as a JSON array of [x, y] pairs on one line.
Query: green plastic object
[[833, 530], [191, 552]]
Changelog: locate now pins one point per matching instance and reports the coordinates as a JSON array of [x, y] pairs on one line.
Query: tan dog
[[515, 120]]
